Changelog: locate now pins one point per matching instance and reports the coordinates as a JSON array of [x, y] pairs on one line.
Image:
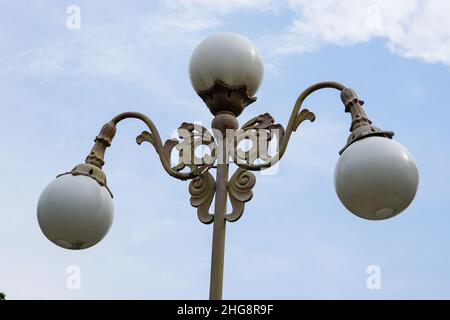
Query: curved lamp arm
[[108, 131], [297, 116], [361, 125]]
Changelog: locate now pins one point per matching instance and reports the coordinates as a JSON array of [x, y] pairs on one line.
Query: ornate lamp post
[[375, 178]]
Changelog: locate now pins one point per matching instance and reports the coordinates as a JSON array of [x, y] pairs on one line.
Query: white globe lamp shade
[[75, 212], [376, 178], [229, 58]]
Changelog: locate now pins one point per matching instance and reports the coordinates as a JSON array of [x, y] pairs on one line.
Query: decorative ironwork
[[224, 98], [240, 191], [297, 117], [260, 131], [202, 189], [303, 115], [192, 137]]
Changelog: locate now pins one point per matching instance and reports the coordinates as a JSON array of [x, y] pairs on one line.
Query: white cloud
[[46, 62], [182, 21], [199, 15], [412, 28], [220, 7], [92, 54]]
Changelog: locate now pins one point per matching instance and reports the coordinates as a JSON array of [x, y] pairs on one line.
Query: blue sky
[[295, 240]]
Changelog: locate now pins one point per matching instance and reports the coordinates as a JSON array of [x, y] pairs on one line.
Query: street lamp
[[375, 177]]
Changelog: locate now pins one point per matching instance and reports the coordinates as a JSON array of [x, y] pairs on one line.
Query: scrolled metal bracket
[[303, 115], [192, 136], [264, 124], [361, 125], [240, 191], [260, 131], [202, 190], [152, 136]]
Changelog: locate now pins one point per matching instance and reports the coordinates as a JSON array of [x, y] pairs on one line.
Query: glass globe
[[376, 178], [75, 212], [229, 58]]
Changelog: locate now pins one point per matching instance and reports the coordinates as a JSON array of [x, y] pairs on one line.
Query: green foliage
[[2, 296]]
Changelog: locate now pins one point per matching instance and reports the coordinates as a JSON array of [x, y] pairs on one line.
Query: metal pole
[[218, 243], [220, 124]]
